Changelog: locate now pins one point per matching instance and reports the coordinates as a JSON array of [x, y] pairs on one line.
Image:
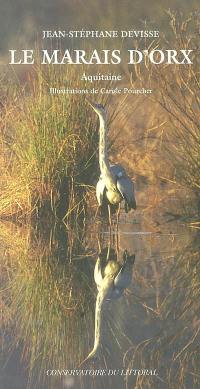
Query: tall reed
[[49, 143]]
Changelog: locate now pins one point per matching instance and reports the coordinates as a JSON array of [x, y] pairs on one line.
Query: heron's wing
[[97, 272], [100, 188], [124, 277], [126, 188], [118, 171]]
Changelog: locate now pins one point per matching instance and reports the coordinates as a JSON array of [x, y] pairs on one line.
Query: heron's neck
[[98, 320], [103, 146], [100, 301], [103, 294]]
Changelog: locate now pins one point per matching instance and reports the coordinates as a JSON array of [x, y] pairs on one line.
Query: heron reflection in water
[[111, 278], [114, 184]]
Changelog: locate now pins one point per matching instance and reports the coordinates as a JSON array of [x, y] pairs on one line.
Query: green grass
[[174, 349], [49, 144], [48, 298], [176, 89]]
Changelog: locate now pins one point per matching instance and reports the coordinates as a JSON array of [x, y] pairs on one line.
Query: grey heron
[[111, 278], [114, 184]]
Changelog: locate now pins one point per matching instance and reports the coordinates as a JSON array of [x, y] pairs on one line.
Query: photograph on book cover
[[100, 194]]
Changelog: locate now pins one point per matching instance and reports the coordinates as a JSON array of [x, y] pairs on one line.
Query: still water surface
[[48, 302]]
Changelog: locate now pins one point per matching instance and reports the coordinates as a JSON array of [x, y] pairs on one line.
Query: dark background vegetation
[[47, 273], [22, 20]]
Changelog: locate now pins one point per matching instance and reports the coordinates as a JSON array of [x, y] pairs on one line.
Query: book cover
[[99, 198]]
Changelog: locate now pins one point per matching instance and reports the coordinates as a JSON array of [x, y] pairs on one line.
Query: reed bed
[[176, 90], [174, 350], [48, 298], [49, 144]]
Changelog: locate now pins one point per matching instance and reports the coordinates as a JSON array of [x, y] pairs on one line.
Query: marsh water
[[48, 302]]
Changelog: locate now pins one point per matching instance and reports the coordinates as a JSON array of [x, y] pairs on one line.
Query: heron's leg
[[99, 243], [109, 215], [96, 213], [117, 243], [108, 252], [117, 230], [110, 223], [118, 214]]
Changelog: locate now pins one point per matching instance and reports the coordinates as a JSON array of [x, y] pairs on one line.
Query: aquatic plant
[[176, 90], [49, 143]]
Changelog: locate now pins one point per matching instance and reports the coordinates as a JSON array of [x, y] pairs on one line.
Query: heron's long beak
[[95, 106]]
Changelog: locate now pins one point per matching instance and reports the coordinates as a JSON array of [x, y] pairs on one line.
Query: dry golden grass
[[48, 146]]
